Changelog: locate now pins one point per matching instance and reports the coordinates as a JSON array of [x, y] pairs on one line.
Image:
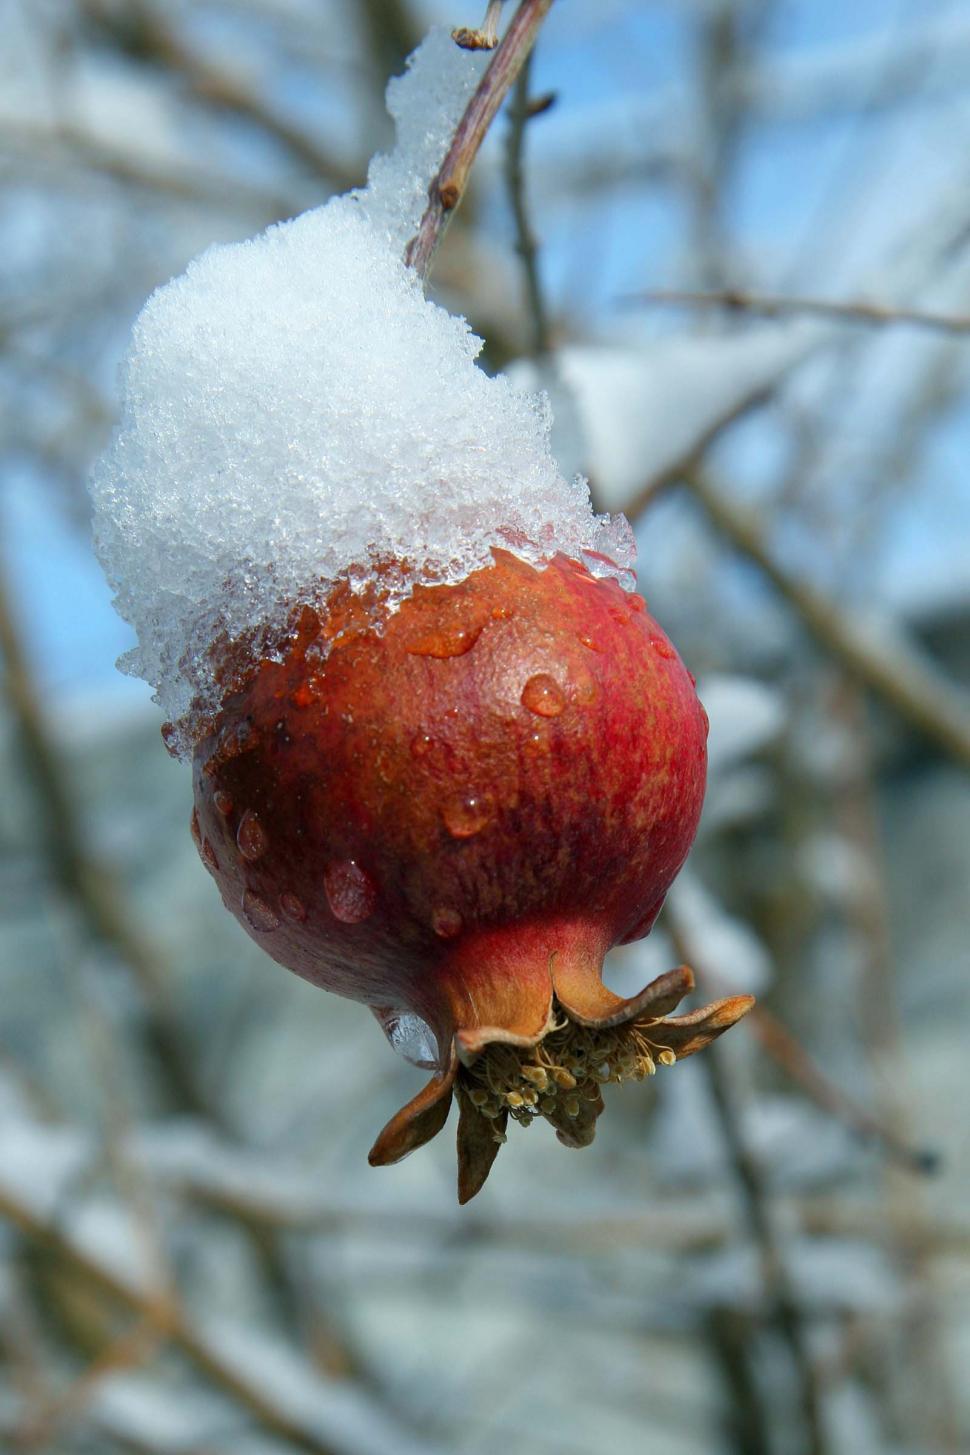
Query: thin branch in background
[[100, 898], [894, 669], [784, 1309], [788, 1052], [141, 32], [132, 1349], [790, 1055], [448, 186], [877, 315], [747, 1421], [393, 35], [520, 113], [74, 155], [89, 883], [168, 1324], [884, 1044]]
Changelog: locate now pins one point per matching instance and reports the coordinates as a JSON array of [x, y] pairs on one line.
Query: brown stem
[[448, 186]]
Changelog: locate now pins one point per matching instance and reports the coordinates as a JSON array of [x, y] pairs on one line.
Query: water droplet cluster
[[467, 814], [251, 837]]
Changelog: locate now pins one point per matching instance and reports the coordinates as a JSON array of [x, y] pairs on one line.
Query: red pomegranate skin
[[458, 809], [512, 768]]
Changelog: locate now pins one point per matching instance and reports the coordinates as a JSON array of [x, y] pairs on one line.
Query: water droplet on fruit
[[351, 892], [446, 923], [543, 696], [292, 907], [589, 642], [663, 648], [306, 694], [421, 745], [636, 603], [409, 1036], [222, 802], [234, 737], [468, 814], [251, 837], [447, 641], [260, 916]]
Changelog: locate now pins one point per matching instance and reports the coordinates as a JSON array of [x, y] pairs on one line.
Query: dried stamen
[[560, 1078]]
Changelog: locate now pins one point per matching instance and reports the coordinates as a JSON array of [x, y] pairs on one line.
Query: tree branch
[[895, 669], [525, 243], [166, 1323], [143, 34], [448, 186], [879, 315], [89, 883]]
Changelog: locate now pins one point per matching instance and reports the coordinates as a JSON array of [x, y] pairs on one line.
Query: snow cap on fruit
[[295, 409]]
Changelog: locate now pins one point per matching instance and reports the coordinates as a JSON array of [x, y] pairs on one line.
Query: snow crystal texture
[[294, 409]]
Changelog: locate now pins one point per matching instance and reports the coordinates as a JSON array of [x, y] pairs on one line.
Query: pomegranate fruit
[[451, 811]]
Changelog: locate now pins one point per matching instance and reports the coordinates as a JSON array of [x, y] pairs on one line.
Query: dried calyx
[[560, 1078], [558, 1075], [451, 811]]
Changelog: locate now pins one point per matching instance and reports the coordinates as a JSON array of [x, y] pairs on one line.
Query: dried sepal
[[416, 1123], [557, 1072]]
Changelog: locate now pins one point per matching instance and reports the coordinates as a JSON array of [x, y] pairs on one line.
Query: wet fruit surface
[[480, 794], [471, 763]]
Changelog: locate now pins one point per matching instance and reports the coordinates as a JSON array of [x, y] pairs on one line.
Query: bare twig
[[786, 1313], [784, 1308], [167, 1323], [895, 670], [77, 154], [878, 315], [449, 184], [788, 1052], [133, 1348], [142, 32], [525, 242], [883, 1039], [90, 884], [393, 35], [790, 1055], [100, 899]]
